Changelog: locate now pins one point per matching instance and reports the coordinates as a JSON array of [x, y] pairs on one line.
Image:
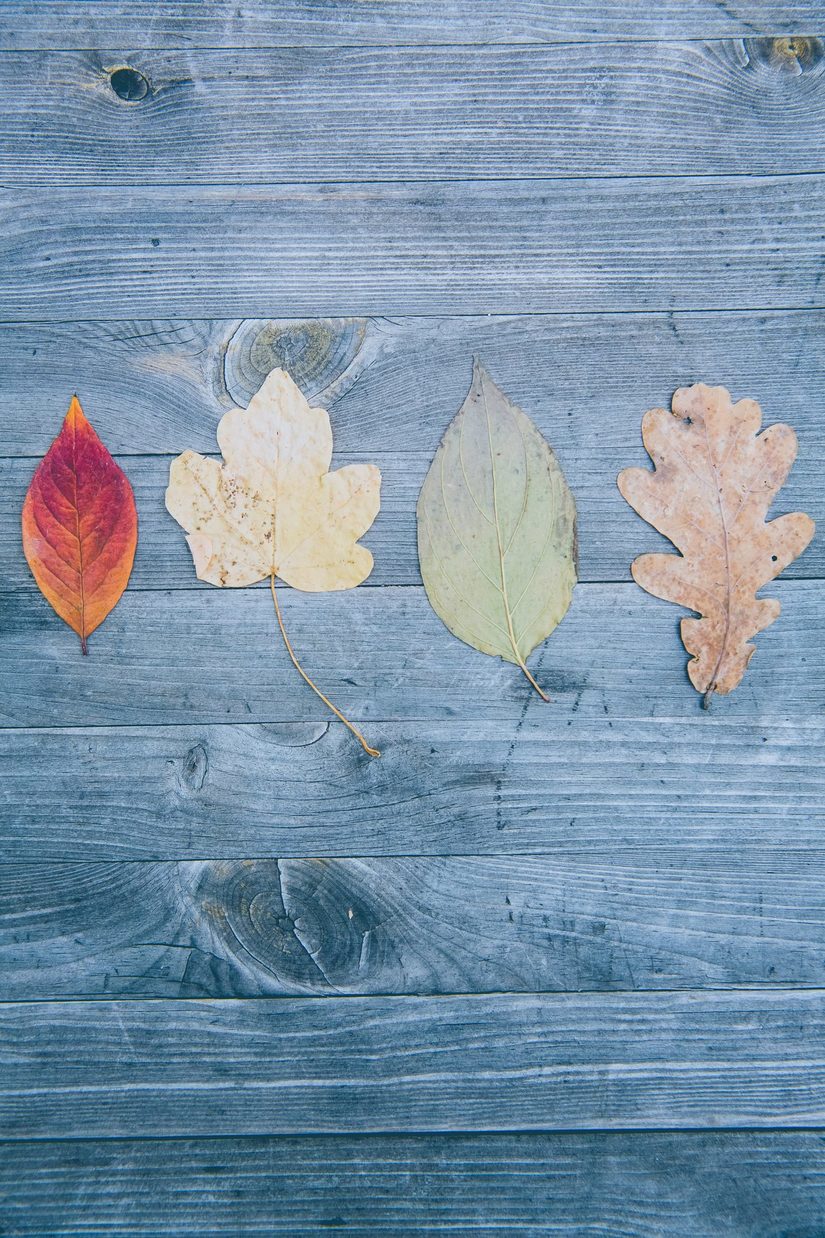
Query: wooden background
[[540, 969]]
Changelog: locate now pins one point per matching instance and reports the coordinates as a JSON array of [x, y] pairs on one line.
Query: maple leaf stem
[[373, 752]]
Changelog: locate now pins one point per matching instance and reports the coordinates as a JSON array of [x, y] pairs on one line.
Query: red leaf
[[80, 526]]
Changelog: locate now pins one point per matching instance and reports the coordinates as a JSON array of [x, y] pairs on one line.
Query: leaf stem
[[543, 695], [373, 752]]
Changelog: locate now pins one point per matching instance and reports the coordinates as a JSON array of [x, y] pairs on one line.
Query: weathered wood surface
[[225, 23], [693, 789], [159, 257], [632, 1061], [726, 1184], [215, 656], [231, 928], [414, 248], [393, 384], [161, 386], [610, 533], [617, 109]]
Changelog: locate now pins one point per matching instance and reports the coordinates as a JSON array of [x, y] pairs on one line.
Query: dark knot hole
[[128, 84]]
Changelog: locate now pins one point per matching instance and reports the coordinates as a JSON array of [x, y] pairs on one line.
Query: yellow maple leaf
[[272, 509]]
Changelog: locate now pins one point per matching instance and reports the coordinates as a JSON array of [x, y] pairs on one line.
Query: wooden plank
[[646, 1184], [215, 656], [252, 928], [748, 1058], [163, 559], [224, 23], [573, 785], [353, 114], [435, 247], [610, 533], [392, 385]]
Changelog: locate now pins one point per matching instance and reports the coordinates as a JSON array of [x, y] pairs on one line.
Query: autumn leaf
[[272, 509], [80, 526], [715, 477], [497, 529]]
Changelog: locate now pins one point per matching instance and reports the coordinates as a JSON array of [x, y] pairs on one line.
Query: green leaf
[[497, 528]]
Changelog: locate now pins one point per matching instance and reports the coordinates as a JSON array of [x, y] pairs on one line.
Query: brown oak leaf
[[714, 479]]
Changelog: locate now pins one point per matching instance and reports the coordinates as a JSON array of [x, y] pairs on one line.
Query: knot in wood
[[321, 355], [128, 84], [301, 922], [195, 766], [793, 54]]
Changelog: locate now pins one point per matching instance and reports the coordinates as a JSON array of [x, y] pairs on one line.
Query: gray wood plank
[[747, 1058], [690, 792], [224, 23], [163, 559], [215, 656], [392, 385], [725, 1184], [610, 533], [251, 928], [353, 114], [434, 247]]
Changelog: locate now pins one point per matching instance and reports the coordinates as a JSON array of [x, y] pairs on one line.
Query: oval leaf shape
[[497, 528], [80, 526], [714, 478]]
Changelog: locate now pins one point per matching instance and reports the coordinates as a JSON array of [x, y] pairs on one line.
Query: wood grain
[[694, 790], [723, 1183], [354, 114], [470, 924], [224, 23], [610, 534], [605, 203], [162, 386], [749, 1058], [393, 385], [215, 656], [434, 247]]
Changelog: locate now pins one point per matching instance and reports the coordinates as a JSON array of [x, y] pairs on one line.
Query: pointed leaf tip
[[75, 409]]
